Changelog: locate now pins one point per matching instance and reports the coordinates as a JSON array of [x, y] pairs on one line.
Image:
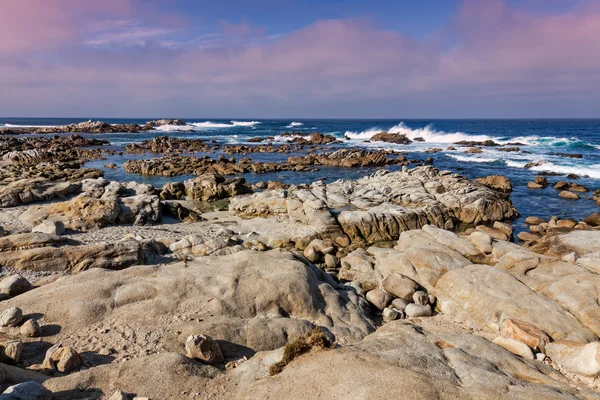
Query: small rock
[[31, 328], [533, 185], [399, 304], [50, 227], [540, 356], [379, 298], [565, 194], [400, 286], [14, 285], [389, 314], [432, 299], [593, 219], [421, 298], [566, 223], [525, 332], [331, 261], [417, 310], [515, 347], [504, 228], [541, 180], [311, 254], [571, 257], [534, 221], [62, 359], [11, 317], [26, 391], [482, 241], [11, 351], [118, 395], [204, 348], [527, 237], [576, 358]]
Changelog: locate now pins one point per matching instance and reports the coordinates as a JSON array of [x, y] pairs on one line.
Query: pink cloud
[[488, 54]]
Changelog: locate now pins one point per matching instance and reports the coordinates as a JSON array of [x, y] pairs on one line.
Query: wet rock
[[395, 138], [534, 220], [593, 219], [565, 194]]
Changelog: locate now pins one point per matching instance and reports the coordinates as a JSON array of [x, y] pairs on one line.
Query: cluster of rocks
[[539, 227], [395, 138], [315, 138], [160, 122], [350, 158], [567, 190], [82, 127], [171, 145], [379, 207], [187, 165]]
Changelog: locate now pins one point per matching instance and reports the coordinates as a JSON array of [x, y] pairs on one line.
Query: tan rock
[[526, 333], [400, 286], [514, 346]]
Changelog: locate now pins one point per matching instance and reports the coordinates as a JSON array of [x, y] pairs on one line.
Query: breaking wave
[[472, 159], [295, 125], [428, 134]]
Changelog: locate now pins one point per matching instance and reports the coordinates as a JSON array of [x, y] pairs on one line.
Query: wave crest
[[428, 134]]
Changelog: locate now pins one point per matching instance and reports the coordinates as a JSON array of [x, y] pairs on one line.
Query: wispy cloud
[[493, 61], [126, 33]]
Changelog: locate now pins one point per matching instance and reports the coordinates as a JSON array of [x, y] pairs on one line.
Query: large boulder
[[213, 187], [34, 189], [258, 300], [381, 206], [484, 297]]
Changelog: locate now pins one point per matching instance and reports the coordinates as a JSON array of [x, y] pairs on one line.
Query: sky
[[300, 59]]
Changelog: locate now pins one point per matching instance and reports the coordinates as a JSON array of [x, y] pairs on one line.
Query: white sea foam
[[427, 133], [173, 128], [245, 123], [210, 124], [294, 124], [28, 126], [515, 164], [476, 159], [593, 171]]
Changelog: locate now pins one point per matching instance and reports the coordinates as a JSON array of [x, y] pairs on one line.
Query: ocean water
[[539, 140]]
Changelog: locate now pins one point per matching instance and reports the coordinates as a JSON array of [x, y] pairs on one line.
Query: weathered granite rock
[[385, 204], [50, 227], [26, 391], [213, 187], [497, 182], [15, 285], [514, 346], [261, 298], [204, 348], [484, 297], [34, 189], [41, 252], [62, 359], [577, 358], [390, 138]]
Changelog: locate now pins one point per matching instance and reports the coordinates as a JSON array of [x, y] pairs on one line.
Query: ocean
[[540, 140]]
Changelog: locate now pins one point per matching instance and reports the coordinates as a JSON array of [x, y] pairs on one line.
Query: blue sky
[[292, 58]]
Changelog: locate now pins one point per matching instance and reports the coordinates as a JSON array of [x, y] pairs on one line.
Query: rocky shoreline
[[212, 287]]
